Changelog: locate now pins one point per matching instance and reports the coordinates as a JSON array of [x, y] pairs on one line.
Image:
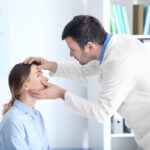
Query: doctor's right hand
[[43, 63], [51, 91]]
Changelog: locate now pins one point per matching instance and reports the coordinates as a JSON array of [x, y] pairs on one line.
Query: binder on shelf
[[138, 19], [126, 20], [145, 12], [147, 20], [116, 19], [120, 18], [113, 27], [117, 124], [126, 129]]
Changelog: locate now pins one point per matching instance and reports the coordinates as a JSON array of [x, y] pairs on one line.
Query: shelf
[[142, 37], [122, 135]]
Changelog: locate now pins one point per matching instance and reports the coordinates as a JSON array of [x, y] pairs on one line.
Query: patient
[[22, 127]]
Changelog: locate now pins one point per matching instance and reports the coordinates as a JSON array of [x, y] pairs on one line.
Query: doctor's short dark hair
[[84, 29]]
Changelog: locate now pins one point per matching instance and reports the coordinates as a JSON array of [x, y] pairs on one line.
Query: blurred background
[[34, 28]]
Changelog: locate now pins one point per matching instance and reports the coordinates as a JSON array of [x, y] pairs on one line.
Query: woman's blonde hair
[[17, 76]]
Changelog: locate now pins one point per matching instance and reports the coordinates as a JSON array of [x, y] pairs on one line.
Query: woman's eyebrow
[[38, 72]]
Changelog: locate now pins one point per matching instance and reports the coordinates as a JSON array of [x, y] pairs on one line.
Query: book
[[113, 27], [120, 18], [116, 19], [147, 21], [138, 19], [145, 12], [126, 20]]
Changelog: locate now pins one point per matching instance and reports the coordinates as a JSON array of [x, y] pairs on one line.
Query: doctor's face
[[83, 56], [35, 79]]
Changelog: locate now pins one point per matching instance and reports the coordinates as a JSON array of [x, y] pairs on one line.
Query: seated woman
[[22, 127]]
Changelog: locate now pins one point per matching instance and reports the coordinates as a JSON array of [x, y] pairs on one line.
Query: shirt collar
[[104, 46], [26, 109]]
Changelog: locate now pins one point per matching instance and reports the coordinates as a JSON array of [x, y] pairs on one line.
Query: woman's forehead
[[34, 69]]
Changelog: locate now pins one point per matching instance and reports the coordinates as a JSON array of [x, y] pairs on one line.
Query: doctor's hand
[[43, 63], [51, 91]]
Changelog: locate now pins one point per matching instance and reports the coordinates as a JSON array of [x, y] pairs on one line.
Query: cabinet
[[124, 140], [113, 141], [129, 10]]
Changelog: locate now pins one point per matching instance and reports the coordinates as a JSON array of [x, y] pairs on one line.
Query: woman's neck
[[28, 100]]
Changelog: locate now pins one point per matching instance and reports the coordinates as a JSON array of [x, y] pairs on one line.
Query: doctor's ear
[[90, 46]]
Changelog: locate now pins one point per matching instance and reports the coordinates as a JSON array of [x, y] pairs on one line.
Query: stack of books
[[141, 19], [119, 20]]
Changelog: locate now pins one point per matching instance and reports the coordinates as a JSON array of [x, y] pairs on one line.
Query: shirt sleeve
[[73, 70], [13, 137], [117, 81]]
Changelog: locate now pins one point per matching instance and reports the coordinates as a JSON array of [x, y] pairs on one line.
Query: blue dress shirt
[[104, 46], [22, 128]]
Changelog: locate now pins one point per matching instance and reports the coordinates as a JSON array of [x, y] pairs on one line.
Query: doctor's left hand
[[51, 91]]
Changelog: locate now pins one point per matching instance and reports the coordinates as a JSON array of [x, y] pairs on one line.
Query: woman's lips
[[44, 86]]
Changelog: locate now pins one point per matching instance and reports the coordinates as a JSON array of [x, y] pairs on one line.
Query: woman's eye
[[38, 74]]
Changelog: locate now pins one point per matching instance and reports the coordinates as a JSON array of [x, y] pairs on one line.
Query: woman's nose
[[45, 78]]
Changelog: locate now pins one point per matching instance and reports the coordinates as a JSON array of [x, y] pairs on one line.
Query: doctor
[[123, 68]]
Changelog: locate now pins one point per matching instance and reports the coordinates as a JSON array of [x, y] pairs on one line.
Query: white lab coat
[[124, 75]]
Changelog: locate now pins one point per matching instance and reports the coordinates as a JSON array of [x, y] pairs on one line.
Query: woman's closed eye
[[38, 74]]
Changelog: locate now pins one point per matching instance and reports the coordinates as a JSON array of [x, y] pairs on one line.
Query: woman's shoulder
[[11, 123], [38, 113], [13, 116]]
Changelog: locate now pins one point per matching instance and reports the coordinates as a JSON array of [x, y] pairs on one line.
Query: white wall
[[98, 9], [95, 129], [4, 53], [35, 30]]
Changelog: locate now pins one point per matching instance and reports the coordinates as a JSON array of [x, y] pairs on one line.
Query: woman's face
[[35, 79]]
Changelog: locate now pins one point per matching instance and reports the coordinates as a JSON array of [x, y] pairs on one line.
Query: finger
[[30, 60], [27, 60], [36, 59]]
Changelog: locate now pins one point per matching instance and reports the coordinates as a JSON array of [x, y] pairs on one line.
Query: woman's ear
[[26, 86]]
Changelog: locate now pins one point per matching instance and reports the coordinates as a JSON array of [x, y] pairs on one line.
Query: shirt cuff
[[51, 74], [67, 97], [58, 70]]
